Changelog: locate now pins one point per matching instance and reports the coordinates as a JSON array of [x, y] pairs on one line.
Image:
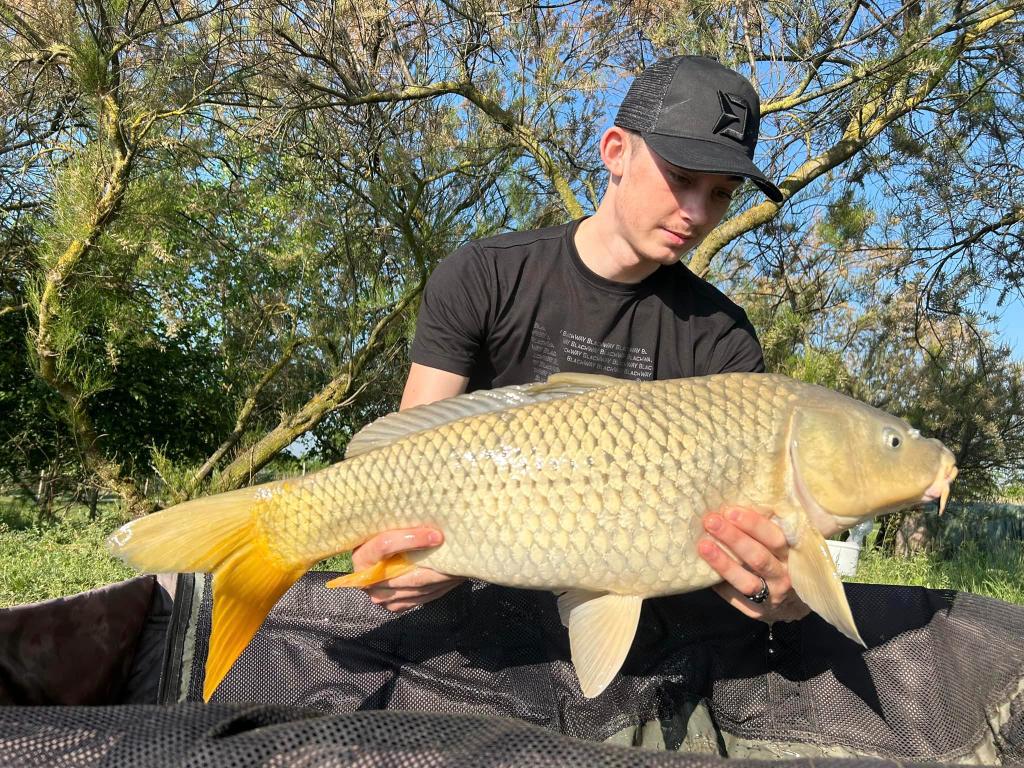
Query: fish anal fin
[[601, 631], [817, 582], [388, 568]]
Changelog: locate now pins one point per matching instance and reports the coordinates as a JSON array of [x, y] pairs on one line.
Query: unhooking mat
[[483, 677]]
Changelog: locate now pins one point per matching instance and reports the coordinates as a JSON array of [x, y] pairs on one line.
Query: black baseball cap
[[699, 115]]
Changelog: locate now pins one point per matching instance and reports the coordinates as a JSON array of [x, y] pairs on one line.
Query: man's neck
[[607, 254]]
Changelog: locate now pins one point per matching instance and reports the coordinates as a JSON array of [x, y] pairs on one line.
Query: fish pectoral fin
[[601, 631], [817, 582], [388, 568]]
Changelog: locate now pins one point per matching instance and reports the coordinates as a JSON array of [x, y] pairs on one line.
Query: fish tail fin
[[219, 535]]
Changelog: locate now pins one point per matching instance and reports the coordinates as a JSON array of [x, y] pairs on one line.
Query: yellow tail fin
[[218, 535]]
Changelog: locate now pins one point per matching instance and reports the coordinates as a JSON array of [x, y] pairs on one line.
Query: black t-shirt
[[518, 307]]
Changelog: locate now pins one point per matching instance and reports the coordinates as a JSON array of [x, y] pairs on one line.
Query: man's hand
[[417, 587], [423, 385], [763, 552]]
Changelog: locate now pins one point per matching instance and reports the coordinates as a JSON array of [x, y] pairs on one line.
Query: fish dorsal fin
[[395, 426], [585, 381], [601, 631]]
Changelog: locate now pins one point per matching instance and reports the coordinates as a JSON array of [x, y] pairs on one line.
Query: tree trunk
[[93, 494]]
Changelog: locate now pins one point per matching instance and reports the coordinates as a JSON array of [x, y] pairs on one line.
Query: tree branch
[[243, 418], [866, 124], [527, 140], [12, 308], [340, 391]]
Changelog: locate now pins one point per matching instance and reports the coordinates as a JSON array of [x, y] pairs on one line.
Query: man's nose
[[694, 206]]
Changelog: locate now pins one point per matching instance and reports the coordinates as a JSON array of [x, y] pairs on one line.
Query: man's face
[[662, 210]]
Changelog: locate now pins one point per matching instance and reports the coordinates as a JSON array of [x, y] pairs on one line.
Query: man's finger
[[729, 593], [751, 552], [388, 543], [402, 600], [760, 528], [420, 578], [740, 578]]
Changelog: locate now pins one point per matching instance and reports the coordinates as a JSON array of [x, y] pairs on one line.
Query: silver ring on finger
[[762, 593]]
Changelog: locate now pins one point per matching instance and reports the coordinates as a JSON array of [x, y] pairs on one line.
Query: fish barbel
[[585, 485]]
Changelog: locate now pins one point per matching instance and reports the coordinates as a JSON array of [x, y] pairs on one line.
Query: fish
[[586, 485]]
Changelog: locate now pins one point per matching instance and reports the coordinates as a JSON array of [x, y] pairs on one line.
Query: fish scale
[[523, 472], [586, 485]]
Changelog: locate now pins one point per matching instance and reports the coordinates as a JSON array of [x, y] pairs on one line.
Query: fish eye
[[892, 439]]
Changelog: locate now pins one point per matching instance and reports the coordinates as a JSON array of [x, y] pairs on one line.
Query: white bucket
[[845, 554]]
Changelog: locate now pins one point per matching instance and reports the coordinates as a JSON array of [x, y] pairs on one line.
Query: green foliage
[[43, 562], [847, 222], [996, 572], [32, 436], [788, 349], [904, 142], [165, 393], [824, 368]]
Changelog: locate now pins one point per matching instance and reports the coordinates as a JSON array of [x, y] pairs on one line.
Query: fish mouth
[[939, 489]]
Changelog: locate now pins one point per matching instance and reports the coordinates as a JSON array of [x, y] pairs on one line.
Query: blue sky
[[1010, 324]]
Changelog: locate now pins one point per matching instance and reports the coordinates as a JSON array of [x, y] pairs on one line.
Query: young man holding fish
[[583, 484], [607, 294]]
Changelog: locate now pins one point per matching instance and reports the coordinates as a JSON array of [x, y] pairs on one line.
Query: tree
[[115, 84], [253, 193]]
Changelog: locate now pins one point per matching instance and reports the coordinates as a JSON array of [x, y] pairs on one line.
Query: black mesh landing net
[[239, 736], [482, 677]]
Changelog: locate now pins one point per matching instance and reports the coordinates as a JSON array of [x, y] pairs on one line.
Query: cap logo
[[733, 122]]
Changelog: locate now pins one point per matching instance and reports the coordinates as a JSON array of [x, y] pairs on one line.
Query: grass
[[996, 570], [42, 561], [337, 563]]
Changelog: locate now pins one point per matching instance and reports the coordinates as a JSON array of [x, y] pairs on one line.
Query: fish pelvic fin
[[220, 535], [601, 631], [817, 582], [388, 568]]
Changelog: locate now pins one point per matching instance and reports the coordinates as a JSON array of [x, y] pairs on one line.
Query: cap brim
[[710, 157]]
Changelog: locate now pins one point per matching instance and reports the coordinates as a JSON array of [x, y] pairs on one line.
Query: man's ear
[[615, 148]]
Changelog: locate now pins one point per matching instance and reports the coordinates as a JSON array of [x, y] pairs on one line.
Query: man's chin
[[668, 255]]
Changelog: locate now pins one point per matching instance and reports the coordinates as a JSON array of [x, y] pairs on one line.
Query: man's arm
[[428, 385], [424, 385]]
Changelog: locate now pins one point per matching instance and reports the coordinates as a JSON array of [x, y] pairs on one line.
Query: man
[[607, 294]]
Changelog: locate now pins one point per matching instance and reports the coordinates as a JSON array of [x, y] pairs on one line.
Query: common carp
[[586, 485]]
